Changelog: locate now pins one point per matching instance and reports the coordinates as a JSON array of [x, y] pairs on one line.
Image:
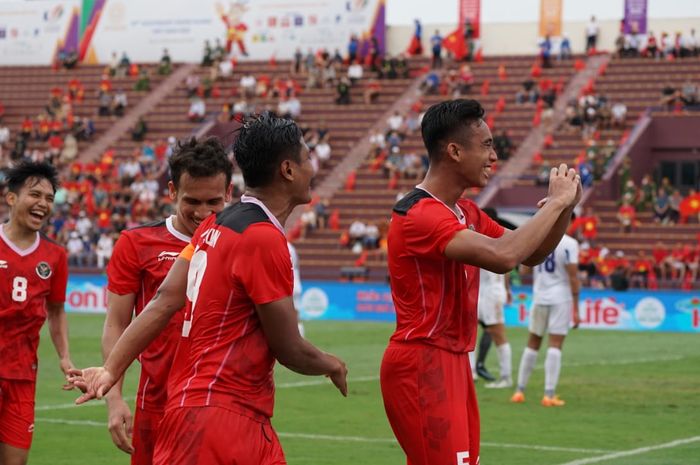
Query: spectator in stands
[[4, 135], [689, 95], [503, 145], [68, 58], [197, 110], [619, 114], [138, 132], [308, 220], [669, 96], [207, 55], [639, 275], [120, 103], [371, 237], [626, 215], [396, 122], [247, 85], [592, 35], [165, 66], [430, 84], [323, 151], [674, 206], [647, 191], [219, 52], [343, 92], [104, 104], [691, 43], [528, 93], [353, 48], [103, 250], [124, 65], [143, 84], [70, 149], [322, 208], [329, 74], [565, 48], [436, 45], [355, 72], [192, 84], [372, 90], [661, 207], [652, 48], [546, 51], [77, 255], [357, 234]]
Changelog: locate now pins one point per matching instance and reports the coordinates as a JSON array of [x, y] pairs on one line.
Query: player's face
[[33, 204], [305, 173], [479, 155], [197, 198]]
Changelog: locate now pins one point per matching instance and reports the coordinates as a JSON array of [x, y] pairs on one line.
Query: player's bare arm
[[120, 419], [58, 328], [279, 323], [514, 247], [575, 283], [95, 382]]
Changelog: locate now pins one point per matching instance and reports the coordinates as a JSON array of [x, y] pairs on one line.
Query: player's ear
[[452, 151], [287, 170], [229, 193], [172, 191], [11, 198]]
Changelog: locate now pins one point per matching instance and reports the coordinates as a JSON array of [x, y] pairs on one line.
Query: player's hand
[[66, 366], [120, 423], [564, 185], [94, 382], [339, 375]]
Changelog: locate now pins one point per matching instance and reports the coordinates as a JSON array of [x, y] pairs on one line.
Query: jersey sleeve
[[263, 264], [487, 226], [571, 250], [59, 280], [428, 228], [123, 275]]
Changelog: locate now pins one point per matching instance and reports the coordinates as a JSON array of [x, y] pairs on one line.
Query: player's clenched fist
[[564, 185], [94, 382]]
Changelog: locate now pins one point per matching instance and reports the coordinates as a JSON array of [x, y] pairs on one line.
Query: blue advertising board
[[328, 300]]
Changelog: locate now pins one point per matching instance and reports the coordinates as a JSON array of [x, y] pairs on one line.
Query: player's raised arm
[[514, 247], [96, 382], [279, 323]]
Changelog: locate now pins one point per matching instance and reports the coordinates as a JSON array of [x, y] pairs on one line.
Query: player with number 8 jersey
[[33, 280]]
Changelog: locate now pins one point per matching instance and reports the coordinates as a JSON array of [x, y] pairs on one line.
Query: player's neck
[[21, 237], [279, 205], [443, 186]]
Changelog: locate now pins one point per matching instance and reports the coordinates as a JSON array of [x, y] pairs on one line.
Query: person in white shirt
[[591, 35], [84, 224], [296, 293], [355, 72], [323, 151], [248, 83], [555, 297], [294, 107], [105, 245], [197, 110], [395, 121]]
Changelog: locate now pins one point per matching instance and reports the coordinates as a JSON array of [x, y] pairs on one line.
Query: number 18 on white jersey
[[551, 280]]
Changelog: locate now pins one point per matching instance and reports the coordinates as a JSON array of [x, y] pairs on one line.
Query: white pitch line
[[327, 437], [627, 453]]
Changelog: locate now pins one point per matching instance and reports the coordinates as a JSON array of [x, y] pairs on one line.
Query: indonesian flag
[[455, 44], [690, 205]]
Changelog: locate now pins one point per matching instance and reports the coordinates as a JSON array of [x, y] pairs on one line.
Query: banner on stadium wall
[[470, 10], [635, 15], [262, 28], [32, 31], [327, 300], [550, 17]]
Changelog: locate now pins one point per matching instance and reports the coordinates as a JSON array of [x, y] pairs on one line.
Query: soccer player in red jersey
[[437, 243], [236, 276], [33, 279], [200, 185]]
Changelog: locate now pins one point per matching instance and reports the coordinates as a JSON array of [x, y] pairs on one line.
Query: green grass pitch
[[632, 398]]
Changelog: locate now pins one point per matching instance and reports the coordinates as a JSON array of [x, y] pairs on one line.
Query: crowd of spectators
[[666, 46]]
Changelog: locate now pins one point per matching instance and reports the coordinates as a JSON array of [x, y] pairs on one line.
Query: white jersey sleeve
[[551, 279]]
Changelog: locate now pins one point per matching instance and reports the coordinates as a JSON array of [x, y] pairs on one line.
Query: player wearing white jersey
[[494, 293], [555, 296], [296, 293]]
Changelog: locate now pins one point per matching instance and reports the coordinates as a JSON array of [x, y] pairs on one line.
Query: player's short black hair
[[263, 142], [200, 159], [444, 119], [16, 177]]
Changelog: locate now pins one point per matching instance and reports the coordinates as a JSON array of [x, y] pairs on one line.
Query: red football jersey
[[140, 261], [240, 260], [435, 298], [29, 279]]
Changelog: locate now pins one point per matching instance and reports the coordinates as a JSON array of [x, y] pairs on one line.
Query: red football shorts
[[214, 435], [17, 412], [430, 401], [145, 434]]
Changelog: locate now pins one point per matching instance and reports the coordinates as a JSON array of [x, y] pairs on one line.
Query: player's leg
[[144, 435], [424, 391], [485, 310], [198, 436], [497, 330], [537, 327], [558, 328], [16, 421]]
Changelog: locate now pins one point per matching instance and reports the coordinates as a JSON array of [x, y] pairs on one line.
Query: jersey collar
[[17, 250], [250, 199], [171, 229], [461, 217]]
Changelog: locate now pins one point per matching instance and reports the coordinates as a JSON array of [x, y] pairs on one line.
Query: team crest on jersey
[[43, 270]]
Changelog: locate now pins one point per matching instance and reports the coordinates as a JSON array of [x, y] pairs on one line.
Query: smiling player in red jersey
[[240, 315], [200, 185], [33, 279], [437, 243]]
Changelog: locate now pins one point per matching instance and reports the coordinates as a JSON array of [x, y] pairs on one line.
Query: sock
[[484, 345], [527, 364], [504, 360], [552, 367], [472, 363]]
